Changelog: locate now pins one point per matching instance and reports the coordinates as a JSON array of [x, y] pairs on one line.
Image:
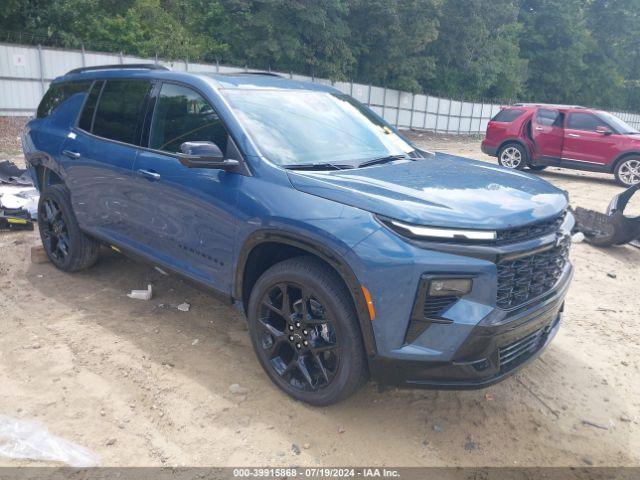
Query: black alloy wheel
[[54, 231], [298, 337], [305, 331]]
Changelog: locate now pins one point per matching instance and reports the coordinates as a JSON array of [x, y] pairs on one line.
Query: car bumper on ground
[[489, 149], [491, 352]]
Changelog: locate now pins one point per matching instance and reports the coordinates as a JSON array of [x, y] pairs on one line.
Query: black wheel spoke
[[321, 347], [286, 300], [296, 336], [267, 303], [302, 368], [318, 361]]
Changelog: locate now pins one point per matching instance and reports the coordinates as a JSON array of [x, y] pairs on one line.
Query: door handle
[[539, 129], [155, 176], [573, 135], [71, 154]]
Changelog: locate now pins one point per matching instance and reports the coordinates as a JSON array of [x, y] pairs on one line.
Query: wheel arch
[[260, 246], [514, 140], [47, 171], [621, 157]]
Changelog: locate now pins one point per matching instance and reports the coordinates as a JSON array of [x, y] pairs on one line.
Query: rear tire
[[627, 171], [305, 331], [67, 247], [513, 155]]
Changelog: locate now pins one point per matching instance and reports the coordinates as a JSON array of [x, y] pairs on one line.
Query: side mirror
[[603, 130], [204, 155]]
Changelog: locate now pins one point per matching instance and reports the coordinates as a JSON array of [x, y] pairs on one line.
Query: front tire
[[513, 155], [67, 247], [305, 332], [627, 171]]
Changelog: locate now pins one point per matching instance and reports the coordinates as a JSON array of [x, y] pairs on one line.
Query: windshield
[[618, 125], [308, 127]]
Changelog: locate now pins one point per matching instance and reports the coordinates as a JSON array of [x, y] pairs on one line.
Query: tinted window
[[57, 94], [120, 109], [182, 115], [507, 115], [86, 119], [548, 118], [584, 121]]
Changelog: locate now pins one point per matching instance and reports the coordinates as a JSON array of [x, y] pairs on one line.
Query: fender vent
[[426, 311]]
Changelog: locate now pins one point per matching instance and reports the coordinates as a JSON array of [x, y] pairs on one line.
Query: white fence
[[26, 71]]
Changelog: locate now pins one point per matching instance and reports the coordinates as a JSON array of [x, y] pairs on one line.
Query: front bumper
[[491, 352]]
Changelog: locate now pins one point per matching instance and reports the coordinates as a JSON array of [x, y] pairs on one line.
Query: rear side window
[[548, 118], [183, 115], [507, 115], [57, 94], [120, 109], [86, 119], [584, 121]]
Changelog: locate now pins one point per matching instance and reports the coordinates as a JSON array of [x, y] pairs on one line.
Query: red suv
[[537, 136]]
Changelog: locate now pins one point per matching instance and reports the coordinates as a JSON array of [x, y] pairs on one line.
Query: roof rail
[[254, 72], [132, 66], [556, 105]]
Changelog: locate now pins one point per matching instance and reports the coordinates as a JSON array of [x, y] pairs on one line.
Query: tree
[[477, 52], [389, 39], [555, 41]]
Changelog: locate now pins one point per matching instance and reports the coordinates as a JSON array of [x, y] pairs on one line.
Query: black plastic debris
[[11, 174], [15, 219], [612, 227]]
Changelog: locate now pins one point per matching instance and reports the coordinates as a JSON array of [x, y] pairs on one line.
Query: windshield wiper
[[387, 159], [317, 166]]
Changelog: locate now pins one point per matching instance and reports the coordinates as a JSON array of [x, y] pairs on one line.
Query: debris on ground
[[612, 227], [195, 342], [489, 397], [601, 426], [237, 389], [184, 307], [577, 237], [611, 275], [141, 294], [341, 429], [470, 445], [22, 439], [438, 428], [11, 174], [295, 449], [16, 189]]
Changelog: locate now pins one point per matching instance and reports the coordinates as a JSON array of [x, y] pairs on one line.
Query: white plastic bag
[[28, 440]]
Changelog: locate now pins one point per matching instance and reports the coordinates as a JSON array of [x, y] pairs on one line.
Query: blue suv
[[353, 253]]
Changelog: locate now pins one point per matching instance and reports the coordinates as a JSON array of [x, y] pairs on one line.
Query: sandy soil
[[142, 383]]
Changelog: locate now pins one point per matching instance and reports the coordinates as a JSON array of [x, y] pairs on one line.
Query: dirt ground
[[142, 383]]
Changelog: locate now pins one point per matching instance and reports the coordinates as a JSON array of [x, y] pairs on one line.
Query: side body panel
[[547, 140]]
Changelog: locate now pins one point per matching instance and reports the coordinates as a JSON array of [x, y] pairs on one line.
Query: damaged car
[[354, 254]]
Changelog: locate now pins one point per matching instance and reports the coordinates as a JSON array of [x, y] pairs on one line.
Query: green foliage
[[570, 51]]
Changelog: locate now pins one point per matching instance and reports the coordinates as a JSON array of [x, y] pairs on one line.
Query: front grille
[[434, 306], [513, 354], [533, 230], [527, 277]]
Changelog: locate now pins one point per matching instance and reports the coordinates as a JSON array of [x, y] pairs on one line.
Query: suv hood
[[443, 190]]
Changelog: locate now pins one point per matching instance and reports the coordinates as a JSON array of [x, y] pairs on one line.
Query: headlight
[[438, 233]]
